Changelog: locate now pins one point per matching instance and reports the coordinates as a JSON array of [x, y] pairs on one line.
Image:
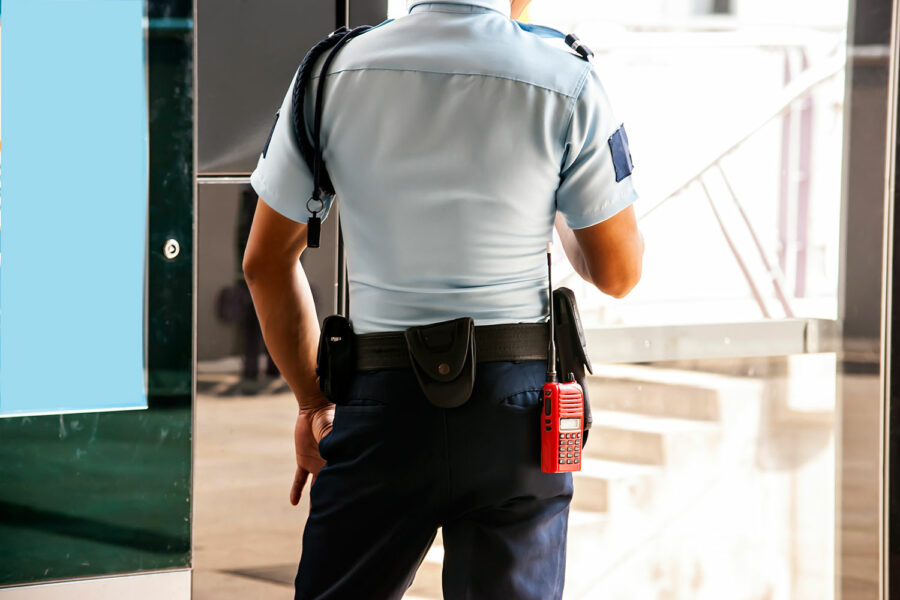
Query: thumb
[[300, 477]]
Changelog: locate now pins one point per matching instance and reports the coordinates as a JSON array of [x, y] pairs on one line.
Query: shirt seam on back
[[571, 108], [579, 87], [486, 75], [573, 100]]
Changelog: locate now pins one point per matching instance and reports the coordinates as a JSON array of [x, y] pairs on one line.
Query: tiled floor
[[245, 529]]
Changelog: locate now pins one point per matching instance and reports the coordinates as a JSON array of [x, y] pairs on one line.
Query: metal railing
[[795, 91]]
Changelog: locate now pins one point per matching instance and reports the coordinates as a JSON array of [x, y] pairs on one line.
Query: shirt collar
[[501, 6]]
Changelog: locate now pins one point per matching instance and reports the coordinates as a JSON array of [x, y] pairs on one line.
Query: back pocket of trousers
[[526, 399]]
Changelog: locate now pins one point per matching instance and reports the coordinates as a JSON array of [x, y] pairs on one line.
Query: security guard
[[455, 138]]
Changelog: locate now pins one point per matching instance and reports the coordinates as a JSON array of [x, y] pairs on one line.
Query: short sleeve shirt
[[453, 136]]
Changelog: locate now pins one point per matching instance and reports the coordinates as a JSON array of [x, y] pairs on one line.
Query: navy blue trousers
[[398, 468]]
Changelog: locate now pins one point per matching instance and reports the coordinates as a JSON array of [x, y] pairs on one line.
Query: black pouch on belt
[[336, 358], [570, 346], [442, 356]]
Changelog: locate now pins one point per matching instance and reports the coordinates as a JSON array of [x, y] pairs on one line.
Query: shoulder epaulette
[[578, 46]]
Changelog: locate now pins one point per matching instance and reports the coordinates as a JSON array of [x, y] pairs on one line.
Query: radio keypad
[[569, 449]]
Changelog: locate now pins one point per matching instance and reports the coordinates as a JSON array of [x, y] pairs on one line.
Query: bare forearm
[[572, 249], [290, 328]]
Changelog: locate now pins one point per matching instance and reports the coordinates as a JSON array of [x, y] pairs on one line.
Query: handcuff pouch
[[571, 346], [336, 358], [442, 356]]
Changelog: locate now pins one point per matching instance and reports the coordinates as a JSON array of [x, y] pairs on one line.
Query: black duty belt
[[507, 342]]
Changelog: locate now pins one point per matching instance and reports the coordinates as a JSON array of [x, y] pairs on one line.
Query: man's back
[[452, 137]]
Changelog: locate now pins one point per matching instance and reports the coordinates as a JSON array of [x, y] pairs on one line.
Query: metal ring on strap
[[318, 210]]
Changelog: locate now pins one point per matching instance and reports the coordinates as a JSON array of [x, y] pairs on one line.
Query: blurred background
[[741, 444]]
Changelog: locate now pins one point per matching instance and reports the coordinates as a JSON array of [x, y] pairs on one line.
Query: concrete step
[[733, 402], [605, 485], [650, 440], [638, 393], [667, 392]]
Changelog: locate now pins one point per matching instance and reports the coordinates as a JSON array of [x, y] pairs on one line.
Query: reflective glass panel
[[735, 114], [98, 493]]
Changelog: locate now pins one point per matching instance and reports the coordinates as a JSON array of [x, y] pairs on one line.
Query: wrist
[[318, 419], [313, 403], [311, 398]]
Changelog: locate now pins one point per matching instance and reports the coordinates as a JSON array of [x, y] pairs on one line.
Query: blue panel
[[74, 206]]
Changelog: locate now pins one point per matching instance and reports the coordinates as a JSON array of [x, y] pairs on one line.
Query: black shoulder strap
[[311, 151], [298, 97]]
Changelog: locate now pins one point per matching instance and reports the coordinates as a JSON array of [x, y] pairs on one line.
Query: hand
[[312, 425]]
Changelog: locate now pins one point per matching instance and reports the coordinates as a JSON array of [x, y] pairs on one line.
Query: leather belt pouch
[[442, 356], [571, 347], [336, 358]]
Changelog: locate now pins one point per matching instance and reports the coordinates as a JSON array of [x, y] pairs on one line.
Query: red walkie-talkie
[[562, 417]]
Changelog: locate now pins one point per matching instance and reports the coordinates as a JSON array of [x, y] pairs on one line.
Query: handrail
[[797, 89]]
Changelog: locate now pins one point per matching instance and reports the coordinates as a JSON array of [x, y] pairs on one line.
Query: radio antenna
[[551, 355]]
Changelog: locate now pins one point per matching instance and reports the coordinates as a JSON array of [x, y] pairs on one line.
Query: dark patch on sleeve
[[621, 154]]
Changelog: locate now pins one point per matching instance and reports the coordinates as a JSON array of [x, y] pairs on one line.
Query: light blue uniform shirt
[[452, 137]]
